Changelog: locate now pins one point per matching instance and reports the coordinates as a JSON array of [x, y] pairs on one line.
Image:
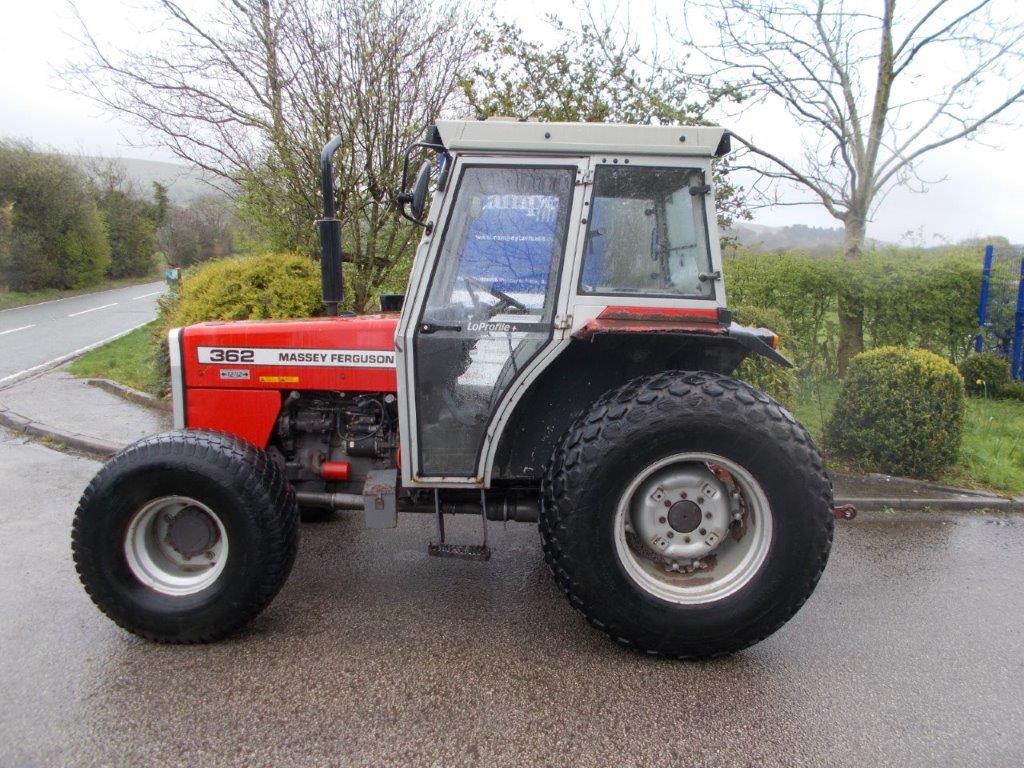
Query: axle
[[501, 507]]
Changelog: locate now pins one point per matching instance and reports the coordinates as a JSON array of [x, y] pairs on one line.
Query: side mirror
[[418, 203]]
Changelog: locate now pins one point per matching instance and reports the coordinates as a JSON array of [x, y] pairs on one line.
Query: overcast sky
[[978, 189]]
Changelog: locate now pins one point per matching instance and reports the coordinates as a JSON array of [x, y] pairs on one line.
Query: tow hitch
[[846, 512]]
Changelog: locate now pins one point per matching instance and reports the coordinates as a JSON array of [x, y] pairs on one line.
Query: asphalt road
[[909, 653], [37, 336]]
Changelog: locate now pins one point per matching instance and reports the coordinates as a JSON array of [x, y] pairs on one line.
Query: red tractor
[[562, 356]]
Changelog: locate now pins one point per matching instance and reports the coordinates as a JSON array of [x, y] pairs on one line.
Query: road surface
[[39, 336], [910, 653]]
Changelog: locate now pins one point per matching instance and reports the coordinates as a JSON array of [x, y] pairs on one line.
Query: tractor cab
[[541, 236]]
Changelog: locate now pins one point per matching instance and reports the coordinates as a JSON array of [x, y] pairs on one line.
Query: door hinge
[[563, 323], [705, 276], [585, 178]]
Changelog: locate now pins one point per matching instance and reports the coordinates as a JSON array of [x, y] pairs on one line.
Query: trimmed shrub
[[779, 382], [270, 286], [899, 411], [985, 373]]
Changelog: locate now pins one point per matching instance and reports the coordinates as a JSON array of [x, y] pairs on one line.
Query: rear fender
[[597, 363]]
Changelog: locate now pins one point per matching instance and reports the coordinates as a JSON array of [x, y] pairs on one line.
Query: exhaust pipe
[[330, 234]]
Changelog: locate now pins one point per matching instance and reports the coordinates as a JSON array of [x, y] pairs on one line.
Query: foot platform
[[441, 547], [460, 551]]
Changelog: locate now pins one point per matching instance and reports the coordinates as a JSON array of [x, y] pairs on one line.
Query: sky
[[977, 189]]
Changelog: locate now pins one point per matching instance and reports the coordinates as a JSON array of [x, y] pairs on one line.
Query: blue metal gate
[[1001, 308]]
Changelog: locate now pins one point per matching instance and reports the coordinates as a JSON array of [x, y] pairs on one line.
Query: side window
[[647, 234]]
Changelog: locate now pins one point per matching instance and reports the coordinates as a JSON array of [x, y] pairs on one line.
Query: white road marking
[[69, 356], [22, 328], [66, 298], [94, 309], [146, 295]]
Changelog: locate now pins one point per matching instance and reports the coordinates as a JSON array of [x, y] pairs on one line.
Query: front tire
[[185, 537], [687, 515]]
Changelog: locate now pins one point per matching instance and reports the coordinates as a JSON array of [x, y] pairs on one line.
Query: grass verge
[[11, 299], [130, 360], [992, 453]]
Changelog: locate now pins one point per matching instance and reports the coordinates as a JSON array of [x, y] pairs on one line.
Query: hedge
[[910, 298], [781, 383]]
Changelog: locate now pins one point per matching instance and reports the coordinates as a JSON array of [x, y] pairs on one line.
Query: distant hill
[[184, 184], [816, 241]]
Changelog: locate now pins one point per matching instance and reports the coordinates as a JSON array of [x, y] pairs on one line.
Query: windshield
[[647, 233]]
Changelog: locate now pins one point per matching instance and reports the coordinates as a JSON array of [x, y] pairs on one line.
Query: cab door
[[484, 304]]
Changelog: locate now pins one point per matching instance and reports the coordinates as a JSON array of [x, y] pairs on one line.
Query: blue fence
[[1001, 308]]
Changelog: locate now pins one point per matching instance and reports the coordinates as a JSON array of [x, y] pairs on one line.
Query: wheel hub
[[176, 545], [191, 532], [684, 516], [681, 512]]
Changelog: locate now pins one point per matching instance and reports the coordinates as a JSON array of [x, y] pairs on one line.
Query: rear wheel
[[185, 536], [687, 514]]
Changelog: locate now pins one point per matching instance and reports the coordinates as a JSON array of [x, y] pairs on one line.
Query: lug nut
[[661, 520], [703, 531], [707, 515], [687, 539], [670, 534]]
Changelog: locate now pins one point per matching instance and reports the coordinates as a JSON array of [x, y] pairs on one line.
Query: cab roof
[[503, 135]]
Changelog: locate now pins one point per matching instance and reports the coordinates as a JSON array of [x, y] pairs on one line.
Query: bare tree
[[875, 87], [252, 89]]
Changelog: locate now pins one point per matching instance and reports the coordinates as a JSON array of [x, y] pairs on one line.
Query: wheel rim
[[693, 528], [176, 545]]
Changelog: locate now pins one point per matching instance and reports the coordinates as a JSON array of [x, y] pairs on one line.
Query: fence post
[[986, 277], [1017, 351]]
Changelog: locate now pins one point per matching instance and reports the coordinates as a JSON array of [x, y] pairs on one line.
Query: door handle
[[432, 328]]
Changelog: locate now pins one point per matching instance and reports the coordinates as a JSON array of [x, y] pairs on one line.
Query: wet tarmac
[[909, 653]]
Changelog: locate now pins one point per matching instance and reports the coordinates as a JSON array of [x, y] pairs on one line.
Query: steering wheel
[[503, 298]]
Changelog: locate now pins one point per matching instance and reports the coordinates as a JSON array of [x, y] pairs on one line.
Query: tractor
[[562, 356]]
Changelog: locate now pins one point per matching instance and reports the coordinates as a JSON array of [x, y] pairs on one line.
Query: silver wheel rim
[[719, 555], [176, 545]]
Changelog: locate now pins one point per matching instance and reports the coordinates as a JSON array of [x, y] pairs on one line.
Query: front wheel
[[184, 537], [687, 515]]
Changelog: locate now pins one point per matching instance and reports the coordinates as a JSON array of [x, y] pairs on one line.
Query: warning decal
[[344, 358]]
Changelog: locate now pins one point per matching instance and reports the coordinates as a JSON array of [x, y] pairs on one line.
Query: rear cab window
[[647, 234]]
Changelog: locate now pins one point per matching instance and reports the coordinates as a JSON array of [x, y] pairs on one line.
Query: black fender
[[589, 367]]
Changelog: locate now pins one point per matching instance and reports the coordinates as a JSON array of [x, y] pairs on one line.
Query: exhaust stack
[[330, 234]]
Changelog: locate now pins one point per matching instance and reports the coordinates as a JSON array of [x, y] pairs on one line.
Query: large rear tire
[[185, 537], [687, 515]]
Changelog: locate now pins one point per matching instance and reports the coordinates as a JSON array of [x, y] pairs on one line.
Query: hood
[[329, 353]]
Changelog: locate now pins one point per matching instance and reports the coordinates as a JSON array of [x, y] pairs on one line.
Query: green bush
[[1013, 391], [270, 286], [52, 235], [899, 411], [779, 382], [985, 373]]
